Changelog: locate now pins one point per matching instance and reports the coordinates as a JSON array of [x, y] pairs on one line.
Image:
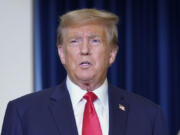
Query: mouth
[[85, 64]]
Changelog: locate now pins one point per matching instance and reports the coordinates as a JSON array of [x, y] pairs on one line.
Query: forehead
[[85, 30]]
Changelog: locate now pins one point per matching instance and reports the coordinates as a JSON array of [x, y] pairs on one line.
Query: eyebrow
[[74, 37], [94, 36], [89, 36]]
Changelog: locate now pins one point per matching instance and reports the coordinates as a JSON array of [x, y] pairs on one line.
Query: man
[[85, 103]]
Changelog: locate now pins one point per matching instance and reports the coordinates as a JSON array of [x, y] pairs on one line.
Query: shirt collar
[[76, 93]]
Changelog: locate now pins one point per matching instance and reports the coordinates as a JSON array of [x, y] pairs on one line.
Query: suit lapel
[[62, 112], [118, 112]]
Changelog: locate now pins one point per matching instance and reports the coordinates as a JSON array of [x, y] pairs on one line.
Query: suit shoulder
[[39, 95], [135, 100], [35, 98], [141, 110]]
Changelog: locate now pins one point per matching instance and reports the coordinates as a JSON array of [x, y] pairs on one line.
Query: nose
[[85, 48]]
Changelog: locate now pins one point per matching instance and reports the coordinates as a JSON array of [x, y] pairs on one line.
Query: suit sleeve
[[12, 124], [160, 127]]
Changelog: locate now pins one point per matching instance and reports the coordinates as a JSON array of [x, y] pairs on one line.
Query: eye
[[95, 41], [74, 41]]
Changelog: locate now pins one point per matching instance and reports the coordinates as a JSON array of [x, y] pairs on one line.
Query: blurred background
[[148, 61], [16, 51]]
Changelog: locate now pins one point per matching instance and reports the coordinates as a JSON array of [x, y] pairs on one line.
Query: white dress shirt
[[101, 104]]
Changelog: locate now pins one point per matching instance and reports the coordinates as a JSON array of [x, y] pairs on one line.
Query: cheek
[[71, 60], [102, 61]]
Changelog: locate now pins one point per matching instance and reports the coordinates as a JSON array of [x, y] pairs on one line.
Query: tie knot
[[90, 96]]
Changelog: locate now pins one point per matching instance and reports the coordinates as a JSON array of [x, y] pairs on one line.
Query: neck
[[89, 85]]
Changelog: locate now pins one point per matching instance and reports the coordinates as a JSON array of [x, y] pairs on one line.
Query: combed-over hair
[[85, 16]]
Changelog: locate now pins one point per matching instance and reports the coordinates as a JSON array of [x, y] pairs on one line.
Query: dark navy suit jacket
[[49, 112]]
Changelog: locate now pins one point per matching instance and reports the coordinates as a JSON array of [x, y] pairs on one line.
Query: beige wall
[[16, 57]]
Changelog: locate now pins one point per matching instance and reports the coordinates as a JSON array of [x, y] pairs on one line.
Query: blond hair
[[85, 16]]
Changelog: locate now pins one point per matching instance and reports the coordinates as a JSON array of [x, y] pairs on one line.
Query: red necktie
[[91, 125]]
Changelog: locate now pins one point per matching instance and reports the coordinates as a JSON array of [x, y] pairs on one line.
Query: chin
[[85, 77]]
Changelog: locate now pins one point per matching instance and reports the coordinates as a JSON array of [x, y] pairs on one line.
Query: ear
[[113, 54], [61, 53]]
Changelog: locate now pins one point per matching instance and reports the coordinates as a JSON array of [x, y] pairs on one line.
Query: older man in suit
[[85, 103]]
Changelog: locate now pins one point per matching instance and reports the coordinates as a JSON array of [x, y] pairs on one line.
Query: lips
[[85, 64]]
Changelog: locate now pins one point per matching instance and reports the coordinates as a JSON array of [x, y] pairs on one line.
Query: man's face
[[86, 54]]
